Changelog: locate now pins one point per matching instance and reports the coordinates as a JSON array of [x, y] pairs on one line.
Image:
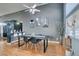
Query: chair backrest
[[33, 39]]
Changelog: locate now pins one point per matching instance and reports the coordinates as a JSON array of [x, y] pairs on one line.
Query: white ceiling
[[7, 8]]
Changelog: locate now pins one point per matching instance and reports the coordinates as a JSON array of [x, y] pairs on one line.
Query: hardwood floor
[[54, 49]]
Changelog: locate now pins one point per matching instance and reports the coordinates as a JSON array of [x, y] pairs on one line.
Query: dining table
[[37, 36]]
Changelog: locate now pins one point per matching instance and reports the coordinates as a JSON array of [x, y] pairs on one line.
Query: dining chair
[[27, 41], [35, 43]]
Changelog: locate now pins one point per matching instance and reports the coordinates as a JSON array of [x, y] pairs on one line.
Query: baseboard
[[54, 42]]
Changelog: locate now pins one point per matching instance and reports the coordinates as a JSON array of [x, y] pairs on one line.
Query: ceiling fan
[[31, 9]]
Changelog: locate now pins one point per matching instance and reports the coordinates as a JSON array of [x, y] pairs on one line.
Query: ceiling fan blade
[[34, 6], [36, 10], [26, 10], [26, 6]]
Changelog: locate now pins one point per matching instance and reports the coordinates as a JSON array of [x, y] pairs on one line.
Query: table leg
[[18, 41], [46, 43], [44, 46]]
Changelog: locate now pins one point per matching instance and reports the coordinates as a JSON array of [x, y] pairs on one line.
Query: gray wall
[[75, 40], [53, 12], [75, 43], [75, 31], [70, 7]]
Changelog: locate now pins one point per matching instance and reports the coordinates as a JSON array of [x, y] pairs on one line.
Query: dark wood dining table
[[42, 37]]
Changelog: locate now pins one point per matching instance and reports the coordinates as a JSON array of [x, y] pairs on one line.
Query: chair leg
[[39, 47], [32, 46], [36, 47], [29, 44], [26, 44]]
